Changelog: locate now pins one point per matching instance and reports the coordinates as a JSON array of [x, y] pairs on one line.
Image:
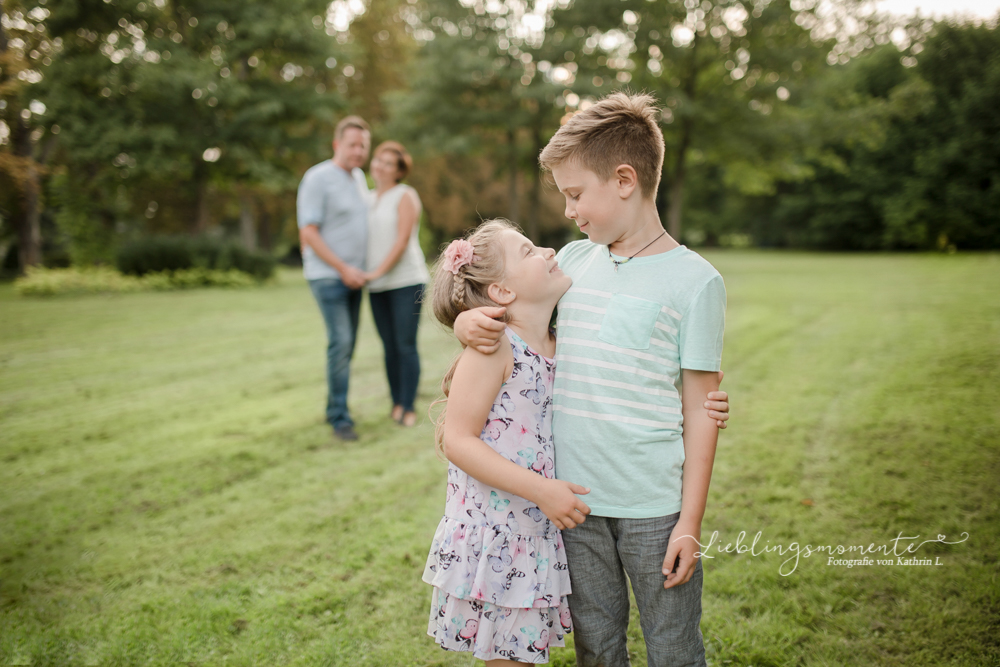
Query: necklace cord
[[626, 261]]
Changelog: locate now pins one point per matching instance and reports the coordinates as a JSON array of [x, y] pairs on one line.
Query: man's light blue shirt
[[336, 201]]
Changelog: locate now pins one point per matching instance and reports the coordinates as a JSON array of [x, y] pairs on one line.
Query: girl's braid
[[458, 290]]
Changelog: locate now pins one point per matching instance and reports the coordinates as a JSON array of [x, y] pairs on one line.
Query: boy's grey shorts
[[600, 553]]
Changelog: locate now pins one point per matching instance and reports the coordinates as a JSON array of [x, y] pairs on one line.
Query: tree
[[25, 50], [911, 144], [167, 107], [483, 93], [725, 71]]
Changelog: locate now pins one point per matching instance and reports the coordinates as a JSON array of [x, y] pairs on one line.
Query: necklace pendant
[[616, 267]]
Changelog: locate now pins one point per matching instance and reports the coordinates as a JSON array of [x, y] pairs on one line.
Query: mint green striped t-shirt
[[622, 339]]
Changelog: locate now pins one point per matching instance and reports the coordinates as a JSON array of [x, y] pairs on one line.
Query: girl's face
[[385, 168], [532, 273]]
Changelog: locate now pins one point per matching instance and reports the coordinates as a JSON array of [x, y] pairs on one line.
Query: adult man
[[332, 212]]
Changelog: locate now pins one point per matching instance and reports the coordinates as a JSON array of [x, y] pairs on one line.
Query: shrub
[[55, 282], [172, 253], [155, 254]]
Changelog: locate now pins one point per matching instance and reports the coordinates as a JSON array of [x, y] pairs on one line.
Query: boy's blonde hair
[[455, 293], [619, 129]]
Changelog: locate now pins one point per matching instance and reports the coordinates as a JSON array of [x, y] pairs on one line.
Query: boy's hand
[[681, 547], [478, 329], [557, 500], [718, 405]]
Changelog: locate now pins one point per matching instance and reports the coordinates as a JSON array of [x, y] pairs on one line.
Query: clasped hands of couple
[[559, 499], [356, 278]]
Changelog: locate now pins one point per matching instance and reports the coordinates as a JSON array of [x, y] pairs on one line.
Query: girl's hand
[[478, 329], [557, 500], [684, 544]]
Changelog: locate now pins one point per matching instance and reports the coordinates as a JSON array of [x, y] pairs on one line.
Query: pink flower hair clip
[[459, 253]]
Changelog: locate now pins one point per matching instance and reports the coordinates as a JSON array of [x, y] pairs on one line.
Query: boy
[[639, 347]]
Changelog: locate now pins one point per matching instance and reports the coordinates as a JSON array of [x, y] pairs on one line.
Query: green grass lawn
[[169, 492]]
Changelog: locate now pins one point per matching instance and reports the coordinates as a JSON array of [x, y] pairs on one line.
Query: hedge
[[156, 254]]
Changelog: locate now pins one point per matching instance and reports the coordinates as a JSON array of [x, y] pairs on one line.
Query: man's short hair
[[619, 129], [348, 122]]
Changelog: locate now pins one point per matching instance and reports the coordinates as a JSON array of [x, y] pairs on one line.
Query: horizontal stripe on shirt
[[582, 306], [615, 418], [586, 379], [609, 400], [615, 367], [666, 327], [608, 347], [607, 295], [577, 324]]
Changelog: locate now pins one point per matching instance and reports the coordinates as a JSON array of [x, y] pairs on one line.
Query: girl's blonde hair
[[455, 293]]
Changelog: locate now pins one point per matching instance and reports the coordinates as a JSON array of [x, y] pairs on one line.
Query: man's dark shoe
[[346, 433]]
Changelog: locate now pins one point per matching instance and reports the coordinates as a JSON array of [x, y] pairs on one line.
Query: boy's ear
[[627, 179], [500, 294]]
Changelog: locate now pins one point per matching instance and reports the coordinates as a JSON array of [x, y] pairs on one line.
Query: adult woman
[[400, 272]]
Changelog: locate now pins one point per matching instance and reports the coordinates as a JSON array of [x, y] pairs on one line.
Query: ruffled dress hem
[[490, 632], [495, 565]]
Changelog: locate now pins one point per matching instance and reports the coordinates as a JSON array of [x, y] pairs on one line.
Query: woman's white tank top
[[383, 223]]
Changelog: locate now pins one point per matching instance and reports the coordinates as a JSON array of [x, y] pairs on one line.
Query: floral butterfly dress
[[497, 563]]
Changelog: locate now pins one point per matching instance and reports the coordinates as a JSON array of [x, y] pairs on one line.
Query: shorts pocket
[[629, 322]]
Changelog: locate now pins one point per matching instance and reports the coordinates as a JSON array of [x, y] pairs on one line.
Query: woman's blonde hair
[[455, 293]]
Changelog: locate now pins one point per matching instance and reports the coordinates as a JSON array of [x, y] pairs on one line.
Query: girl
[[497, 562]]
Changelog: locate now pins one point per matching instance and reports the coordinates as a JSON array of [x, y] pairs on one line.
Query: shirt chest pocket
[[629, 322]]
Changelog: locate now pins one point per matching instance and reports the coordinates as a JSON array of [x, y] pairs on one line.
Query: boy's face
[[595, 205]]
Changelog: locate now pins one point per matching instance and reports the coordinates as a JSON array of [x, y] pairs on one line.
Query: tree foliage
[[912, 153], [786, 123]]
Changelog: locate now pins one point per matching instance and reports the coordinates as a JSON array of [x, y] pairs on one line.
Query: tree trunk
[[3, 33], [536, 182], [513, 211], [675, 205], [264, 229], [675, 194], [25, 215], [202, 216], [26, 218], [248, 222]]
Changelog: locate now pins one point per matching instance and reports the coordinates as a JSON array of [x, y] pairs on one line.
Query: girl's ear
[[500, 294], [627, 179]]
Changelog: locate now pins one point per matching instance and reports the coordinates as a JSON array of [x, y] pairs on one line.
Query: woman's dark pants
[[397, 315]]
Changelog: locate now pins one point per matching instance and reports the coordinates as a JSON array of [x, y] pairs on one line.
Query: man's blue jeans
[[341, 308]]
